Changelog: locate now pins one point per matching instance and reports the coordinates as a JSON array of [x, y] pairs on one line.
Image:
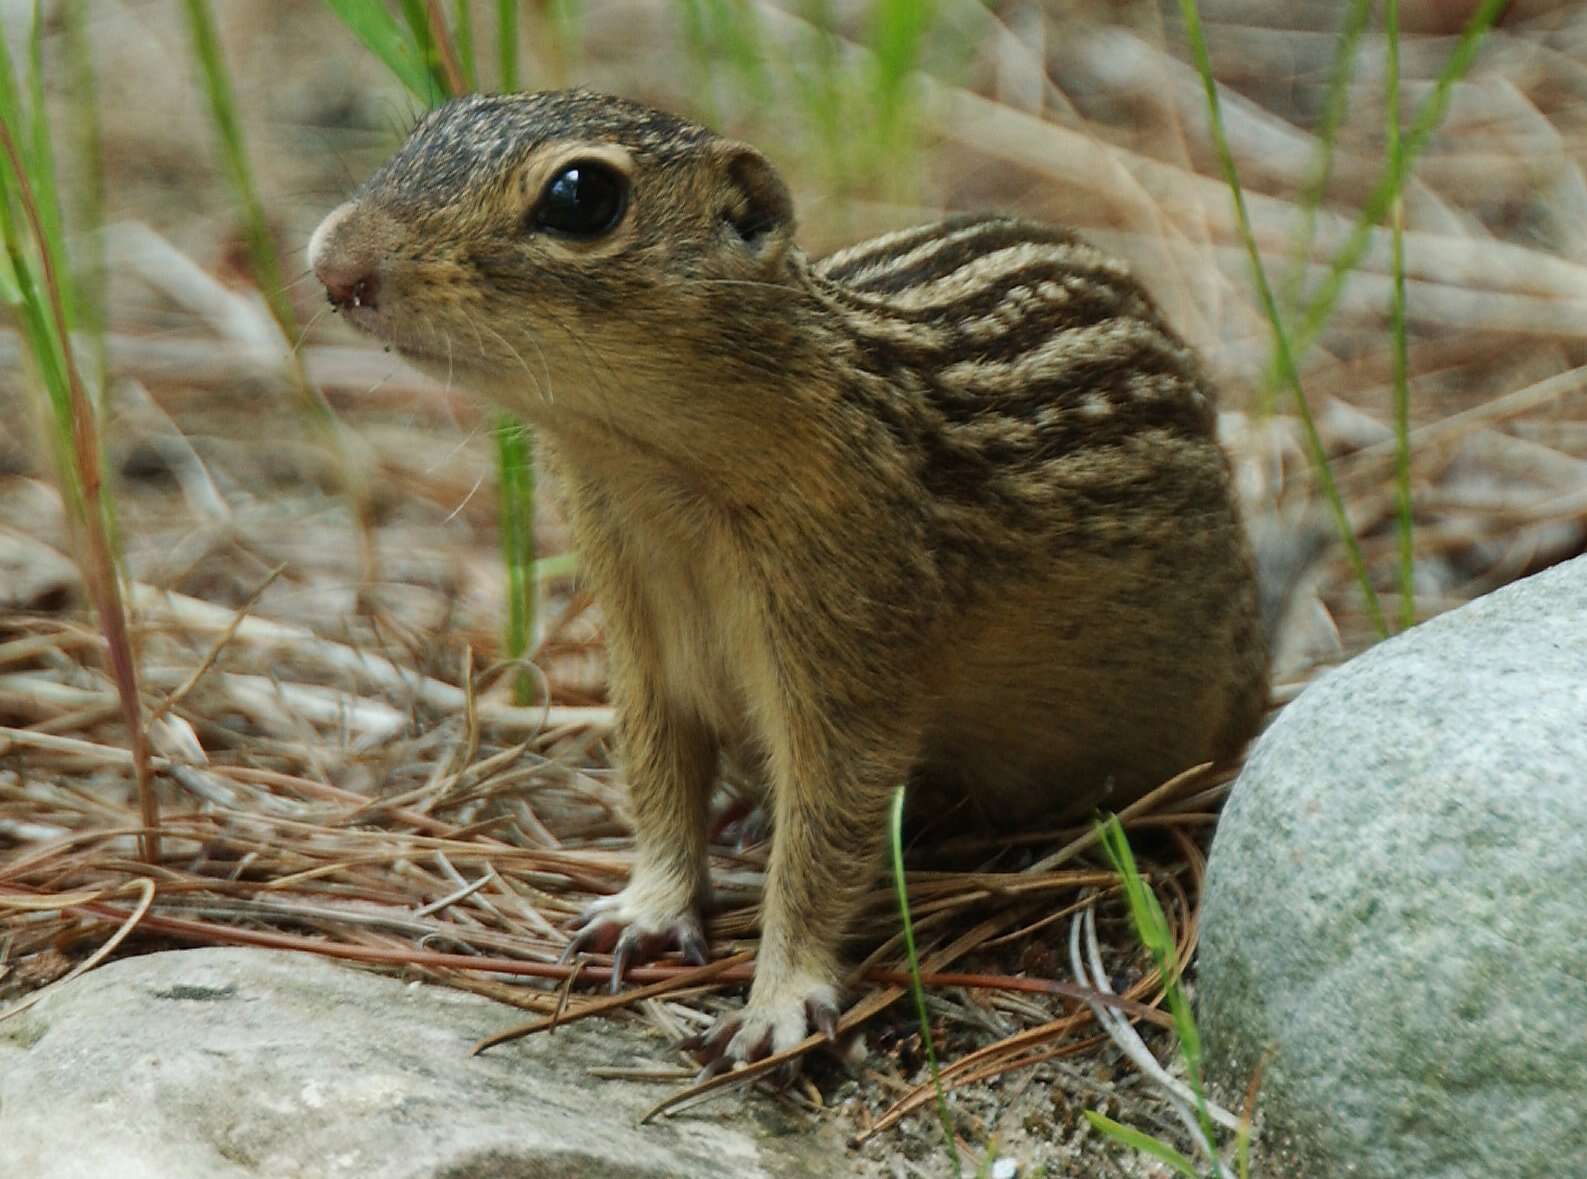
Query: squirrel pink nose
[[347, 271], [354, 286]]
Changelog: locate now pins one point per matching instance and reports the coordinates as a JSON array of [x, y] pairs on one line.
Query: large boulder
[[1396, 904], [243, 1064]]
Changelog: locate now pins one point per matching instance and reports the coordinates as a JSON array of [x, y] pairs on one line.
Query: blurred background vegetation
[[882, 112], [257, 454]]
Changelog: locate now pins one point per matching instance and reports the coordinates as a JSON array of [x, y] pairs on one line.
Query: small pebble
[[1005, 1169]]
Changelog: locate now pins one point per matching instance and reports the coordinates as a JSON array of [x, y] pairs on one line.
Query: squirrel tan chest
[[944, 508]]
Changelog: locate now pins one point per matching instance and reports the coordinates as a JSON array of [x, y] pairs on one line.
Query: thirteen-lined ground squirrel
[[945, 507]]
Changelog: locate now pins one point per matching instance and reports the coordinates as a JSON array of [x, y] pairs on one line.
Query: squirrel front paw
[[778, 1016], [634, 927]]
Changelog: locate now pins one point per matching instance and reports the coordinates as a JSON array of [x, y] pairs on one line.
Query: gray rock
[[226, 1064], [1396, 904]]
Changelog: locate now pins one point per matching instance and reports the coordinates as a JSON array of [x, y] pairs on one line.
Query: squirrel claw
[[709, 1044], [591, 937], [822, 1013], [621, 953], [631, 937], [764, 1028], [693, 946], [712, 1068]]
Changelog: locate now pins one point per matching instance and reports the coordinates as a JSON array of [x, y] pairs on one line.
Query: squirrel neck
[[744, 422]]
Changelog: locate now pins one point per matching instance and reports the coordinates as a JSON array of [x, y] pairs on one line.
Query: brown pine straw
[[1019, 1051], [143, 887], [447, 881], [382, 884]]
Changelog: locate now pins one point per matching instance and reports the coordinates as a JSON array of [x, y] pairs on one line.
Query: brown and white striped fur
[[945, 507]]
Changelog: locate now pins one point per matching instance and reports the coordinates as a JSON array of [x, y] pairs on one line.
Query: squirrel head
[[560, 237]]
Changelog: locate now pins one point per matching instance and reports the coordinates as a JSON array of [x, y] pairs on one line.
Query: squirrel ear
[[757, 208]]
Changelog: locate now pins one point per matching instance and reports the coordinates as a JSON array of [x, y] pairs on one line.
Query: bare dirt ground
[[318, 626]]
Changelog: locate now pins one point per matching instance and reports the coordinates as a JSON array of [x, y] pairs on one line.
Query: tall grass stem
[[1398, 169], [515, 462], [1284, 353], [38, 155], [90, 191], [82, 475], [445, 50], [1151, 926], [895, 838], [1334, 108], [381, 34], [507, 44], [463, 34], [1402, 392], [234, 152], [266, 265]]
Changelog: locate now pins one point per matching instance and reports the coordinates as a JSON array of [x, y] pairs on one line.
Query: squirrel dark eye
[[585, 199]]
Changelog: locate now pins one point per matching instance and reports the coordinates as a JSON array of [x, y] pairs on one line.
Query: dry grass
[[341, 768]]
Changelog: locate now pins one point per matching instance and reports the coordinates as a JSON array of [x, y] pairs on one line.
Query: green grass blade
[[1151, 926], [463, 34], [39, 156], [1284, 353], [10, 286], [743, 45], [515, 463], [564, 21], [1402, 393], [409, 50], [1242, 1151], [10, 96], [427, 38], [1428, 116], [898, 34], [561, 565], [895, 839], [418, 23], [42, 341], [266, 264], [1144, 1143], [898, 31], [380, 33], [75, 437], [24, 291], [90, 206], [724, 34], [507, 44], [819, 85], [1334, 106], [697, 37], [84, 300], [223, 108]]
